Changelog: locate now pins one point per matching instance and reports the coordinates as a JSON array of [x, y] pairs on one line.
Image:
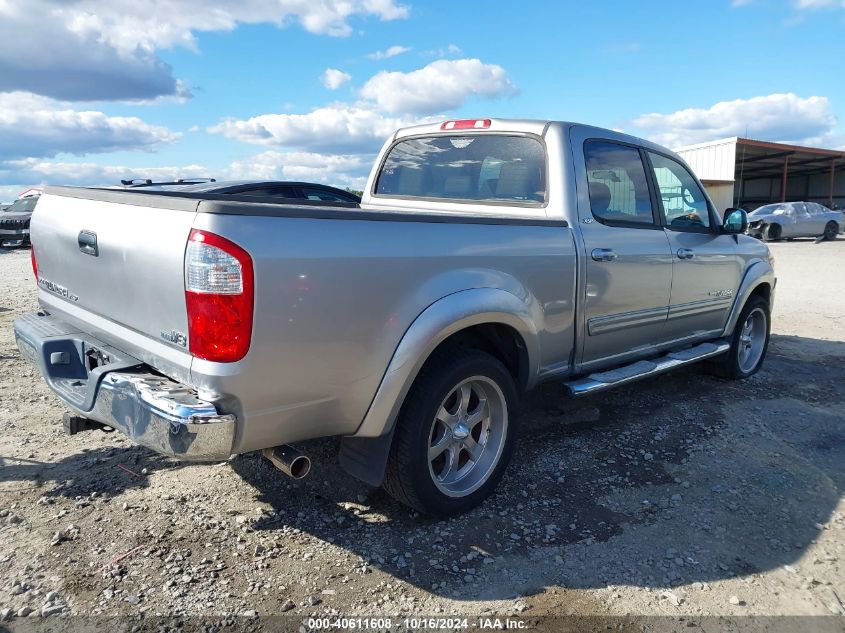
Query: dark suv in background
[[14, 222]]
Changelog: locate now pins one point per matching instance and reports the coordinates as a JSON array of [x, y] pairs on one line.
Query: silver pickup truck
[[486, 256]]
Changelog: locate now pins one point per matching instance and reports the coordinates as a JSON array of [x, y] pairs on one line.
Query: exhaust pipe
[[289, 460]]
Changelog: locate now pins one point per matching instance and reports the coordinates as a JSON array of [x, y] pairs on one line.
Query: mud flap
[[365, 458]]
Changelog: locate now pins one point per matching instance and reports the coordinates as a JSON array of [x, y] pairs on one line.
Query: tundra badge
[[57, 289]]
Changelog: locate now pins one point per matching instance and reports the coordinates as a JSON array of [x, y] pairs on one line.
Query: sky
[[92, 91]]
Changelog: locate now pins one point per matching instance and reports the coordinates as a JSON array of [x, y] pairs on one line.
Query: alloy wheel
[[467, 436]]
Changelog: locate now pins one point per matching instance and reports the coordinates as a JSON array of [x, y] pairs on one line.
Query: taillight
[[218, 296], [32, 258]]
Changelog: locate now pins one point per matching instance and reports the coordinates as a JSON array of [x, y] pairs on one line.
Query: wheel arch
[[494, 319], [759, 280], [769, 226]]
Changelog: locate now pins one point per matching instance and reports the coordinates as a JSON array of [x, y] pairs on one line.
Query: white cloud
[[8, 193], [35, 171], [776, 117], [332, 78], [333, 169], [340, 170], [39, 53], [393, 51], [442, 85], [389, 101], [339, 127], [33, 126], [94, 50]]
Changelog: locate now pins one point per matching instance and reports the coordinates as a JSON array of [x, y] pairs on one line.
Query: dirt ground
[[683, 495]]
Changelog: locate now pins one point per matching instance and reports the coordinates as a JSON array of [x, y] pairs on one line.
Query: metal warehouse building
[[742, 172]]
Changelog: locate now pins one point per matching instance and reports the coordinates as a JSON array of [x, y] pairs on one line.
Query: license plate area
[[72, 362], [95, 358]]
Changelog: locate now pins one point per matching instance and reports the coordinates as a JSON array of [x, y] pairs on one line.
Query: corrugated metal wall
[[711, 161], [721, 194]]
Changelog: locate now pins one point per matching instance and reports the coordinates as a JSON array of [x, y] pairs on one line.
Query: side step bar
[[644, 368]]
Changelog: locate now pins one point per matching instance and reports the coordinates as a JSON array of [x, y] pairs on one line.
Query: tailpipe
[[289, 460]]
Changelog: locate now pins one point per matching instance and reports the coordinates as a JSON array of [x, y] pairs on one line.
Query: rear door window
[[479, 167], [618, 185]]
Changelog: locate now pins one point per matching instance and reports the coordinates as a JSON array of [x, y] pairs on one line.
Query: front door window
[[684, 203]]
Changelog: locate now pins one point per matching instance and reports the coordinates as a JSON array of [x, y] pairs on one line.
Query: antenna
[[738, 198]]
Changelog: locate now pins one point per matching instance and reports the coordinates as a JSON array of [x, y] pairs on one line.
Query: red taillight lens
[[219, 297], [466, 124], [34, 263]]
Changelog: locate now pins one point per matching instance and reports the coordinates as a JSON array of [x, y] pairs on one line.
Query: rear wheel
[[454, 435], [831, 230], [749, 342], [772, 232]]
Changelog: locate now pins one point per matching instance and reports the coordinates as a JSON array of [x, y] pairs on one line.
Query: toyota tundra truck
[[486, 256]]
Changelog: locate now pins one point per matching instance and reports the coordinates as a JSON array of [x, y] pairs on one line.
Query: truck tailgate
[[120, 257]]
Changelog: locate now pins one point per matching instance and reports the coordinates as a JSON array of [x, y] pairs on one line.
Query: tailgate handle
[[88, 243]]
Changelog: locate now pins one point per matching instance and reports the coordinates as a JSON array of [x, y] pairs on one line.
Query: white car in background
[[795, 219]]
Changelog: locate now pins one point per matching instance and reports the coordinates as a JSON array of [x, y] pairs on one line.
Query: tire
[[745, 358], [831, 230], [772, 232], [431, 423]]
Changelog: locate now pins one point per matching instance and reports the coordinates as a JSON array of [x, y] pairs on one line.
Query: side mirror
[[735, 221]]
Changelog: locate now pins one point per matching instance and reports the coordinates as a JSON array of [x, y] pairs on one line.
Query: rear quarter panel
[[333, 299]]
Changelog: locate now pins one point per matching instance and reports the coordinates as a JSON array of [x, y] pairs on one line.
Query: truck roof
[[527, 126], [530, 126]]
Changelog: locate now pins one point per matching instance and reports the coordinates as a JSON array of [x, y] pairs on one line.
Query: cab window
[[476, 167], [683, 201], [618, 185]]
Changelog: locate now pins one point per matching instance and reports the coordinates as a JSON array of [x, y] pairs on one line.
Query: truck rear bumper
[[109, 386]]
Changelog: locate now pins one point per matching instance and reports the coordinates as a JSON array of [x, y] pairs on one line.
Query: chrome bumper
[[121, 392]]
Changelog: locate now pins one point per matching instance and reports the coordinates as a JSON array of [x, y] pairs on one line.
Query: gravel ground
[[683, 495]]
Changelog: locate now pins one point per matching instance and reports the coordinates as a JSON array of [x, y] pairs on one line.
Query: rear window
[[492, 167]]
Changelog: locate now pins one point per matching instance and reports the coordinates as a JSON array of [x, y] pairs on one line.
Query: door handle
[[685, 253], [87, 241], [604, 255]]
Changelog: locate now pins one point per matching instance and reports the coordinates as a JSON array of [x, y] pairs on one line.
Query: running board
[[644, 368]]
